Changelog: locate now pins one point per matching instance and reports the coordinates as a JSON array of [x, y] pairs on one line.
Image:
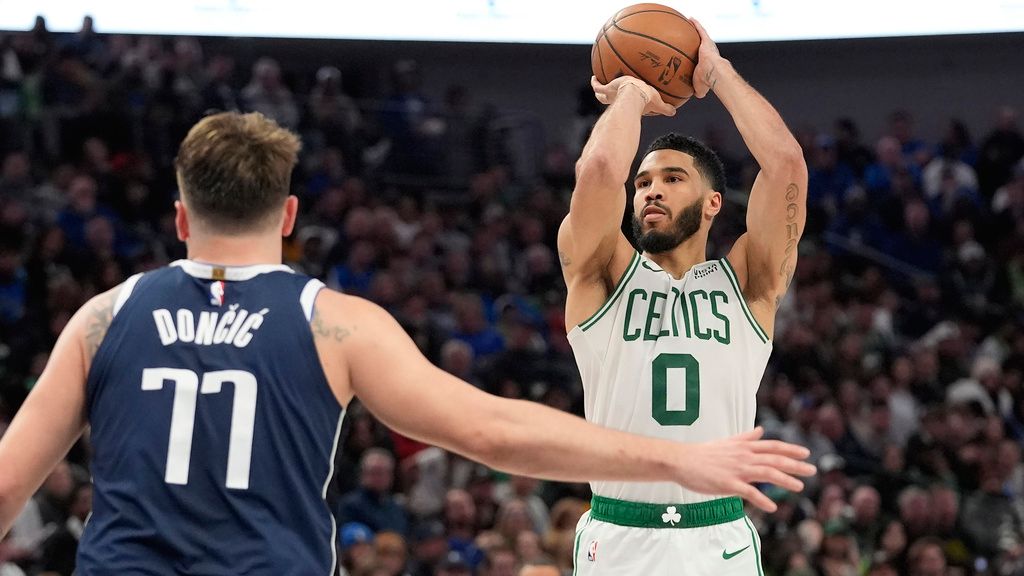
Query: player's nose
[[653, 193]]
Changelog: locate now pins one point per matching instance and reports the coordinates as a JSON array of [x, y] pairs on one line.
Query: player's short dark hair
[[704, 158], [234, 170]]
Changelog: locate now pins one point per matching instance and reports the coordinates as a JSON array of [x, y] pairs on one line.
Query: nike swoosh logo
[[730, 555], [648, 266]]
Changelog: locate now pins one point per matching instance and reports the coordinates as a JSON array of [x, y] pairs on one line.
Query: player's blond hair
[[234, 170]]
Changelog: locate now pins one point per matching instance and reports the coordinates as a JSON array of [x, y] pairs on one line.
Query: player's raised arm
[[589, 236], [53, 416], [391, 378], [765, 257]]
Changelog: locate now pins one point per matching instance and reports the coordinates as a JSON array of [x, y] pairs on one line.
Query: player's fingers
[[754, 496], [700, 29], [664, 109], [782, 449], [754, 434], [787, 465], [773, 476]]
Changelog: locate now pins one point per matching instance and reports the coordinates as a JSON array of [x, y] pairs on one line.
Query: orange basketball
[[653, 43]]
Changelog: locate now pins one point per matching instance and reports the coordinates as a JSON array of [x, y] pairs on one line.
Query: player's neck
[[680, 259], [235, 250]]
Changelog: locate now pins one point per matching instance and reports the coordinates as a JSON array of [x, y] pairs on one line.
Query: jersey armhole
[[731, 275], [619, 287], [125, 293], [308, 297]]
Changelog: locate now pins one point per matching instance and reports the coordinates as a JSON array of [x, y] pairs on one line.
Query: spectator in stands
[[391, 553], [357, 547], [889, 163], [926, 558], [500, 561], [901, 127], [1000, 150], [372, 503], [829, 178], [267, 93], [454, 564]]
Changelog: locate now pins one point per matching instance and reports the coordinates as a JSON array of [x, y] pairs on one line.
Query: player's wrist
[[638, 88], [722, 75]]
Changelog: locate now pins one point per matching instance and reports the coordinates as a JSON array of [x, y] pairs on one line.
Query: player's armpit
[[765, 257], [331, 328], [589, 281], [776, 217], [99, 314], [53, 416]]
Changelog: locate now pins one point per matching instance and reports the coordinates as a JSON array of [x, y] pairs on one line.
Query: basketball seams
[[672, 12], [644, 38], [638, 74], [599, 62], [603, 79], [652, 39]]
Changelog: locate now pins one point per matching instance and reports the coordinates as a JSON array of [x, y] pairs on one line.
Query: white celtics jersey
[[674, 359]]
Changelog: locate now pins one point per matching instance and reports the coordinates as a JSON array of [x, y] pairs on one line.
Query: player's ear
[[291, 210], [181, 220], [713, 204]]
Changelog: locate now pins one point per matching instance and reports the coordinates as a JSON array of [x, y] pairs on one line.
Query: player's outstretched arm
[[591, 248], [53, 416], [765, 258], [391, 378]]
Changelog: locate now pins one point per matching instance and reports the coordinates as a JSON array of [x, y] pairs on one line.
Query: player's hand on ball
[[707, 61], [732, 465], [607, 93]]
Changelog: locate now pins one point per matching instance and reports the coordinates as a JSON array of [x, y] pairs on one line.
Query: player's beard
[[683, 226]]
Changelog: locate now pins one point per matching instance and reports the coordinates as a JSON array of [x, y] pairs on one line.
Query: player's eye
[[672, 179], [643, 183]]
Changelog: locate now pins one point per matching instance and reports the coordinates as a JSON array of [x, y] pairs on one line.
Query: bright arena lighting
[[563, 22]]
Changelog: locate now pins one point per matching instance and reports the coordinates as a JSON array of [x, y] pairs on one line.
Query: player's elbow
[[488, 440], [597, 167], [489, 444], [789, 159]]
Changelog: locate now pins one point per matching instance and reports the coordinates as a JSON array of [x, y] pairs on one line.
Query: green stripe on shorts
[[757, 549], [576, 546], [645, 515]]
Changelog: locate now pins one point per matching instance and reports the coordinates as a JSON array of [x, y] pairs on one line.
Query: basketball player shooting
[[215, 389], [668, 344]]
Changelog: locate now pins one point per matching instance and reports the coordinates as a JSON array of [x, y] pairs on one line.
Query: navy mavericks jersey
[[213, 428]]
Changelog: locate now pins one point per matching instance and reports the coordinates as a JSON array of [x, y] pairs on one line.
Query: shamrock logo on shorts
[[671, 516]]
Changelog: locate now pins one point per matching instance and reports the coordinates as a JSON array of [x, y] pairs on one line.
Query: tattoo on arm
[[564, 259], [101, 313], [788, 266], [323, 330], [710, 80]]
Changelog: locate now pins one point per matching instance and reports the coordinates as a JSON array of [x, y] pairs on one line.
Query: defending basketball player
[[215, 389], [669, 344]]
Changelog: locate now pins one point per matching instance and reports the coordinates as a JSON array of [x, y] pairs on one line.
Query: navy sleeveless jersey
[[213, 428]]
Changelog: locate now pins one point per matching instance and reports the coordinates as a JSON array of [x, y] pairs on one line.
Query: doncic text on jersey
[[234, 326]]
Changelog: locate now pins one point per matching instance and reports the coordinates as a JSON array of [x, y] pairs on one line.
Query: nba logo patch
[[217, 293], [592, 551]]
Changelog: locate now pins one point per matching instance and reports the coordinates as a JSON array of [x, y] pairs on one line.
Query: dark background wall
[[811, 82]]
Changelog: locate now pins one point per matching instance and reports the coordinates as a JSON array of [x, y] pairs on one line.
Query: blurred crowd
[[898, 354]]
